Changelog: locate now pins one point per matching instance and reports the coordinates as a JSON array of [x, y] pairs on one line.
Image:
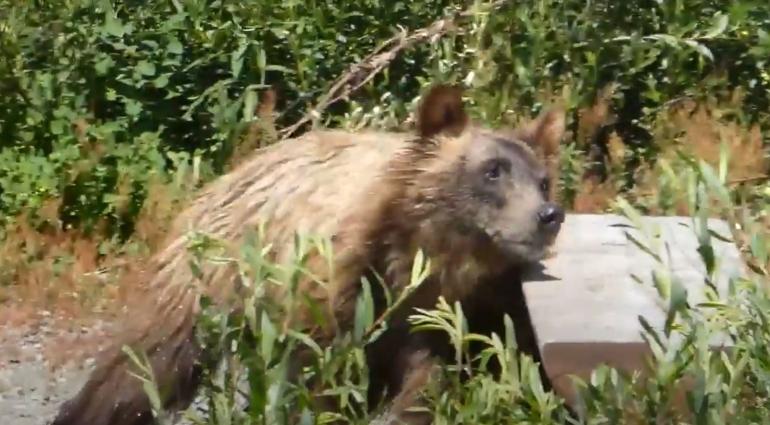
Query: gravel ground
[[31, 389], [33, 384]]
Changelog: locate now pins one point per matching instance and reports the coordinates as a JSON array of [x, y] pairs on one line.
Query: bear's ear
[[441, 111], [544, 133]]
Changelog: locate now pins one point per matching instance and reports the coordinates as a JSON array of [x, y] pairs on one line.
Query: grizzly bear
[[473, 199]]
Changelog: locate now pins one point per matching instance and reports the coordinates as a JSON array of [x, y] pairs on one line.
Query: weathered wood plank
[[584, 304]]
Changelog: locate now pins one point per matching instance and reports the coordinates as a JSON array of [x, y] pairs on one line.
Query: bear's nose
[[550, 215]]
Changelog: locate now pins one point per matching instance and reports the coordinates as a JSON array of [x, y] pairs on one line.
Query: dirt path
[[43, 365], [40, 368]]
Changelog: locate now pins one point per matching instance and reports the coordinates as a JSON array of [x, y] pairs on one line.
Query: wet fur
[[401, 199]]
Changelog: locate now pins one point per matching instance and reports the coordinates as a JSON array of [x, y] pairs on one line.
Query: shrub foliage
[[113, 112], [119, 87]]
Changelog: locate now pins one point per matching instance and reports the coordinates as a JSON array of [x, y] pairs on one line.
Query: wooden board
[[585, 304]]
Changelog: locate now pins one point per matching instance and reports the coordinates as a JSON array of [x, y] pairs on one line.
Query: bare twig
[[751, 179], [364, 71]]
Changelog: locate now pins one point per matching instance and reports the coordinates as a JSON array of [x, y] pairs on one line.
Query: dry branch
[[752, 179], [362, 72]]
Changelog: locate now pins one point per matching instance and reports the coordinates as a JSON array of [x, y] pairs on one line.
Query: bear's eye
[[545, 184], [494, 169]]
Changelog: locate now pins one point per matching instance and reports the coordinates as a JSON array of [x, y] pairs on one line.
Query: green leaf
[[249, 105], [307, 341], [146, 68], [151, 44], [759, 247], [712, 180], [420, 270], [57, 127], [666, 38], [113, 26], [174, 46], [700, 48], [724, 162], [261, 58], [650, 331], [268, 336], [706, 252], [279, 68], [161, 81], [104, 65], [133, 108], [364, 314], [718, 26], [236, 60], [677, 301]]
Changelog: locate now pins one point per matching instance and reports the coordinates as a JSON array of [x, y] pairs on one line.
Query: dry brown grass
[[40, 266], [61, 276], [703, 135], [592, 195], [260, 131], [162, 205], [592, 118], [696, 129]]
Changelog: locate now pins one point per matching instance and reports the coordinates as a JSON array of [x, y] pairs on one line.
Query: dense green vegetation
[[104, 102], [155, 80]]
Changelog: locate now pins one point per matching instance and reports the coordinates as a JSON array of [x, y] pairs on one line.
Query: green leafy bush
[[189, 73]]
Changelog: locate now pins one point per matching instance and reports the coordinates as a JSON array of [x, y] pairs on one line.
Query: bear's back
[[307, 184]]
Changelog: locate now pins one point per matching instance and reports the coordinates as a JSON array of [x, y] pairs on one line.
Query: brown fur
[[402, 362], [380, 197]]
